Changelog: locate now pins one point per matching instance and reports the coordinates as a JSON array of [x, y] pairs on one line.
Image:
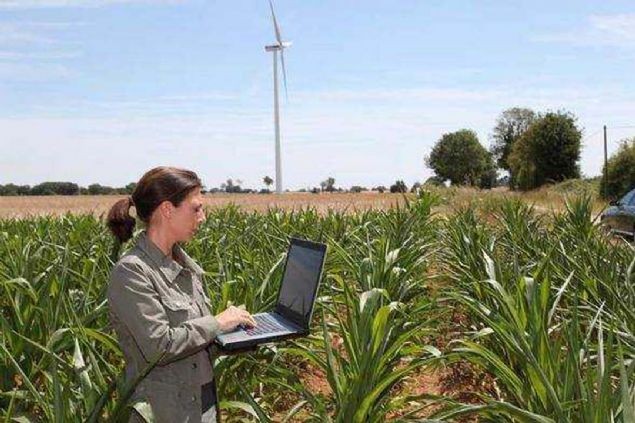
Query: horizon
[[99, 91]]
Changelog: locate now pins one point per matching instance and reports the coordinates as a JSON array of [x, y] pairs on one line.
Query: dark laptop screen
[[300, 281]]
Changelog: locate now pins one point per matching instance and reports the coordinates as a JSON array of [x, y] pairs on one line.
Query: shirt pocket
[[178, 311]]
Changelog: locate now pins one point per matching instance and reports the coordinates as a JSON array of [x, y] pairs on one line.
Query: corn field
[[548, 306]]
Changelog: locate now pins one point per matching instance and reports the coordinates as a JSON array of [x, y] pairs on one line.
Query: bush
[[488, 179], [399, 187], [621, 171], [576, 186], [435, 181]]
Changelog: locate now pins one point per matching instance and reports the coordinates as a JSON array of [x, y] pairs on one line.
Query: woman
[[158, 306]]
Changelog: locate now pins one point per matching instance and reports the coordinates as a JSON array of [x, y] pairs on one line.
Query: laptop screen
[[299, 284]]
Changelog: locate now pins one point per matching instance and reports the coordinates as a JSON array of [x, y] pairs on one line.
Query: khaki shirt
[[158, 308]]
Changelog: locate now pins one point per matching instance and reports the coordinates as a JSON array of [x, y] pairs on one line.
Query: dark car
[[619, 218]]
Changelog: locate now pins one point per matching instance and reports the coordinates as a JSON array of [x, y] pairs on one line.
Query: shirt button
[[193, 398]]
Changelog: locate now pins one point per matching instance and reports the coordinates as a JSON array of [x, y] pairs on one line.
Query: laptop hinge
[[290, 316]]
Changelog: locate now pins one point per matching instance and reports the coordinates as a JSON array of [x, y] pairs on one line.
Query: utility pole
[[606, 168]]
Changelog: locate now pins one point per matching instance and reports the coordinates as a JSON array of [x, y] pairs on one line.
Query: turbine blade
[[284, 74], [275, 24]]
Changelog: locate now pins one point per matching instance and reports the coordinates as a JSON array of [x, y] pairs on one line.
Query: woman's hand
[[229, 319]]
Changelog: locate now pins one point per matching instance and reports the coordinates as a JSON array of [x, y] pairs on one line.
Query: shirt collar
[[169, 267], [187, 260]]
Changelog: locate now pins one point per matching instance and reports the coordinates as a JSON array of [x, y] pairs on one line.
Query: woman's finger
[[250, 320]]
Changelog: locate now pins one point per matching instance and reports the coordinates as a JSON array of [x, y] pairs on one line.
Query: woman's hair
[[156, 186]]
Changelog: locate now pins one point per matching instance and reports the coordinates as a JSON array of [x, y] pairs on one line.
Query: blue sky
[[102, 90]]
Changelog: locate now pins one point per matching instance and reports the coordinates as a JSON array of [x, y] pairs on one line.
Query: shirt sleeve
[[132, 297]]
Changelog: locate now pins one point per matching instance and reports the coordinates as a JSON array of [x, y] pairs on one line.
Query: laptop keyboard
[[266, 324]]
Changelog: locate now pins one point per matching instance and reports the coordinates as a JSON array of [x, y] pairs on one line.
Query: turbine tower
[[279, 46]]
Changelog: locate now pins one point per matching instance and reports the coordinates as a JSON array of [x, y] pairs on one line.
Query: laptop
[[296, 299]]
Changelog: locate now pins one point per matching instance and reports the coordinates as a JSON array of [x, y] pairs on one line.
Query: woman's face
[[185, 219]]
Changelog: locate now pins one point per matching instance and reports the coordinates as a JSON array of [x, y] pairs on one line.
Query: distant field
[[100, 204], [544, 200]]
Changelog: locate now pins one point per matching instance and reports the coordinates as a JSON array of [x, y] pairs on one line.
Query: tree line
[[230, 186], [533, 149], [64, 188]]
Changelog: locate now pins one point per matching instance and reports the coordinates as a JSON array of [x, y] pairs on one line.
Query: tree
[[510, 126], [436, 181], [231, 186], [459, 157], [94, 189], [549, 151], [130, 187], [399, 186], [55, 188], [621, 171], [328, 184], [380, 189], [489, 175], [268, 181], [357, 189], [97, 189], [13, 189]]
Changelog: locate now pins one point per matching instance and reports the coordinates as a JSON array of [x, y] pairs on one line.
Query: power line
[[597, 132], [592, 135]]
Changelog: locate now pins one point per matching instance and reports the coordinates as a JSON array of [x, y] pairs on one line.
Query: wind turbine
[[279, 46]]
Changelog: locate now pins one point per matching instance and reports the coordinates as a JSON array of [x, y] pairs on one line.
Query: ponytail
[[119, 221], [155, 186]]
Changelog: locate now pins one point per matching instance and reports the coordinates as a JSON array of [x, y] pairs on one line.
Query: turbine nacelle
[[278, 47]]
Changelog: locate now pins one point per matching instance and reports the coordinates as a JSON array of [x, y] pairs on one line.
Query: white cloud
[[32, 4], [424, 94], [614, 30], [31, 51], [14, 33], [34, 72], [33, 32], [49, 55], [616, 27]]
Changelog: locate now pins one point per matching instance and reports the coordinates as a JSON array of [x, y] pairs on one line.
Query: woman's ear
[[167, 208]]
